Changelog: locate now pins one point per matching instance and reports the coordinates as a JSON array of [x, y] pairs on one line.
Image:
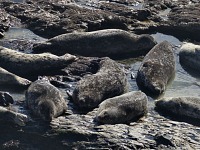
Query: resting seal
[[10, 79], [109, 81], [157, 68], [26, 65], [123, 108], [11, 116], [45, 100], [109, 42]]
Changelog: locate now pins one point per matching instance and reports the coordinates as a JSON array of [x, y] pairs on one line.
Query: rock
[[10, 79], [13, 117], [122, 109], [157, 68], [110, 42], [27, 65], [45, 100], [189, 56], [5, 99], [109, 81], [180, 107]]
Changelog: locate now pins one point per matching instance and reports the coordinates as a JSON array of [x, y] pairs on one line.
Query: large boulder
[[10, 79], [110, 42], [189, 56], [45, 100], [109, 81], [7, 115], [186, 108], [26, 65], [157, 68], [122, 109]]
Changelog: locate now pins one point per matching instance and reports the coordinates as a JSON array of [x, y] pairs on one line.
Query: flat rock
[[110, 42], [157, 68], [109, 81]]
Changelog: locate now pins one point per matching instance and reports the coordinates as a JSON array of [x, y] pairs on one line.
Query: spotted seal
[[156, 70], [102, 43], [11, 116], [123, 108], [32, 64], [8, 78], [45, 100]]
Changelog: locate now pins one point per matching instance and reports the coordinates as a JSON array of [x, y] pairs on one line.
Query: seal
[[13, 117], [45, 100], [156, 70], [189, 57], [109, 81], [10, 79], [186, 108], [25, 65], [102, 43], [123, 108]]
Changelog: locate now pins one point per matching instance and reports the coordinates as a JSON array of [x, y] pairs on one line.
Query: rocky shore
[[81, 98]]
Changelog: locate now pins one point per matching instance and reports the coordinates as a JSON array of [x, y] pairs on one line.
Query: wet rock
[[157, 68], [109, 81], [45, 100], [110, 42], [13, 117], [189, 56], [185, 108], [5, 99], [10, 79], [122, 109], [27, 65]]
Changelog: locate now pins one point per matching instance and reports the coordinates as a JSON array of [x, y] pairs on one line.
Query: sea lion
[[10, 79], [109, 81], [181, 107], [156, 69], [189, 56], [45, 100], [26, 65], [123, 108], [5, 99], [11, 116], [109, 42]]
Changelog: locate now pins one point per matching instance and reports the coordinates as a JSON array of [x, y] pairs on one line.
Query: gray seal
[[25, 65], [45, 100], [102, 43], [156, 70], [123, 108]]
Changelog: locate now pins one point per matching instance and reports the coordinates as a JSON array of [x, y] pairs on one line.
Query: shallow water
[[35, 135]]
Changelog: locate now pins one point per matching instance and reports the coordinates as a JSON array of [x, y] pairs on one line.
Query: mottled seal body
[[157, 68], [109, 81], [189, 56], [45, 100], [8, 78], [123, 108], [11, 116], [32, 64], [109, 42], [180, 106]]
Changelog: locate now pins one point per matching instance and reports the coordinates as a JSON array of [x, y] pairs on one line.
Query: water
[[37, 135]]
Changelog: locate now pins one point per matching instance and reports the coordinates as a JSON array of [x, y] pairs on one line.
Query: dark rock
[[184, 108], [189, 56], [122, 109], [13, 117], [110, 42], [157, 68], [27, 65], [45, 100], [109, 81], [10, 79], [5, 99], [162, 139]]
